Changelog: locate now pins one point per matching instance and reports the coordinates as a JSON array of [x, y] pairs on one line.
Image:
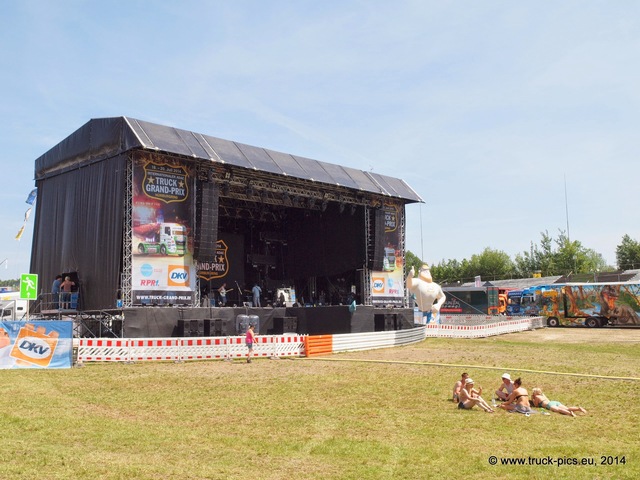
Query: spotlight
[[324, 205], [312, 202], [353, 209], [285, 197], [296, 201], [342, 206], [225, 189], [250, 190]]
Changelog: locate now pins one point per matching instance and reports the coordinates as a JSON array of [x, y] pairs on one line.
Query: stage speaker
[[278, 326], [290, 325], [206, 231], [376, 241], [190, 328], [243, 322], [284, 325], [389, 322]]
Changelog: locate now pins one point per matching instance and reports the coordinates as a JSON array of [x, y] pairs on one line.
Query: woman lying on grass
[[539, 399]]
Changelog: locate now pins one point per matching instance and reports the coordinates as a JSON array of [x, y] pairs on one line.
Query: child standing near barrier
[[250, 339]]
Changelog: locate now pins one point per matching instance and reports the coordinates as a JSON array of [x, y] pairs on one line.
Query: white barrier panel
[[188, 348], [103, 349], [509, 325], [367, 341]]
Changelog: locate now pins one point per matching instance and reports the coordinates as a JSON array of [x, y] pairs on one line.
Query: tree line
[[552, 256]]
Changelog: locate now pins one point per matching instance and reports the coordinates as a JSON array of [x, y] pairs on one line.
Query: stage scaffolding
[[127, 247]]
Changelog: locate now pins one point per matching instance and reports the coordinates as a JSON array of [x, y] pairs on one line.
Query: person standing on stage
[[222, 291], [67, 288], [55, 292], [256, 291]]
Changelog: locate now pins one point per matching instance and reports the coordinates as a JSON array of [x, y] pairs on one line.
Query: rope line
[[483, 367]]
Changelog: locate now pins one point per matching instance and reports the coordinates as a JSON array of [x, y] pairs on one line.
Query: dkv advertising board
[[162, 238], [36, 344], [387, 286]]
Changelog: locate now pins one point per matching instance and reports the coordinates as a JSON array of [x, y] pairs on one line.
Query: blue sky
[[484, 108]]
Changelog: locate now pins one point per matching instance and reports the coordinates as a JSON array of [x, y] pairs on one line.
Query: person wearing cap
[[458, 386], [518, 400], [250, 340], [470, 397], [505, 388]]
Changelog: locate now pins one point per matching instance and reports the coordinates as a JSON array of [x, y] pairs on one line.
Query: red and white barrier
[[276, 346]]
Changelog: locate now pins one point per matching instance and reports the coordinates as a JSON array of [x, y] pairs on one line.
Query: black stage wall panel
[[376, 262], [206, 231], [324, 243], [78, 228]]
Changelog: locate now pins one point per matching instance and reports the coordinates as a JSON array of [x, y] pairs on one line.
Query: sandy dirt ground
[[579, 335]]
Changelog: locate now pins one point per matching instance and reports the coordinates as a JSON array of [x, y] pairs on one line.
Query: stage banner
[[36, 344], [387, 286], [162, 231]]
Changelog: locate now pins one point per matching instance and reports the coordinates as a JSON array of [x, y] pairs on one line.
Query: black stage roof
[[104, 138]]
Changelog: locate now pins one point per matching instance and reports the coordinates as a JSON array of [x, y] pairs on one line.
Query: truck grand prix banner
[[36, 344], [162, 217], [387, 286]]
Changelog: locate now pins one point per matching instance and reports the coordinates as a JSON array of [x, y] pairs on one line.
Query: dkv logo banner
[[36, 344]]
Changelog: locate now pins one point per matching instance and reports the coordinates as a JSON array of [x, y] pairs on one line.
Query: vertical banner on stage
[[162, 242], [36, 344], [387, 286], [227, 267]]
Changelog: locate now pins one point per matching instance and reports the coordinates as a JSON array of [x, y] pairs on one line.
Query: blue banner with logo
[[36, 344]]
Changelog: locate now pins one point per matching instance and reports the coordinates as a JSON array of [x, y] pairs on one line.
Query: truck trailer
[[586, 304]]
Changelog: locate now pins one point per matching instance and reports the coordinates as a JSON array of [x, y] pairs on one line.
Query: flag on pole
[[26, 214], [19, 235], [32, 196]]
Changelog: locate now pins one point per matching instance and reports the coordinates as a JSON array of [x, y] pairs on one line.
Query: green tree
[[568, 257], [490, 265], [449, 271], [628, 254], [412, 260]]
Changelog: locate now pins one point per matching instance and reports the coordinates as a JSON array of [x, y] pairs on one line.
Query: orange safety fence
[[318, 345]]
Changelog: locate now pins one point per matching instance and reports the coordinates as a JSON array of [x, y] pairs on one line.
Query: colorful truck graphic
[[161, 239], [590, 304]]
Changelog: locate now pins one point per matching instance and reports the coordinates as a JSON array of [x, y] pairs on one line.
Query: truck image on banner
[[162, 266], [162, 238]]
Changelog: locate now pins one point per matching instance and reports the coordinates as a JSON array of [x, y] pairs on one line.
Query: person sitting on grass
[[459, 385], [518, 400], [539, 399], [470, 397], [505, 388]]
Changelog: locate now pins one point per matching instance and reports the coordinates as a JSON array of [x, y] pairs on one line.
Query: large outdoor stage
[[146, 322]]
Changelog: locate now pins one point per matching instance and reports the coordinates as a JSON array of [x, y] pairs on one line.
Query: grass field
[[381, 414]]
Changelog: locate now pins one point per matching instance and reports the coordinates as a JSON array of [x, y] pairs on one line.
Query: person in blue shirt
[[55, 292], [256, 291]]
